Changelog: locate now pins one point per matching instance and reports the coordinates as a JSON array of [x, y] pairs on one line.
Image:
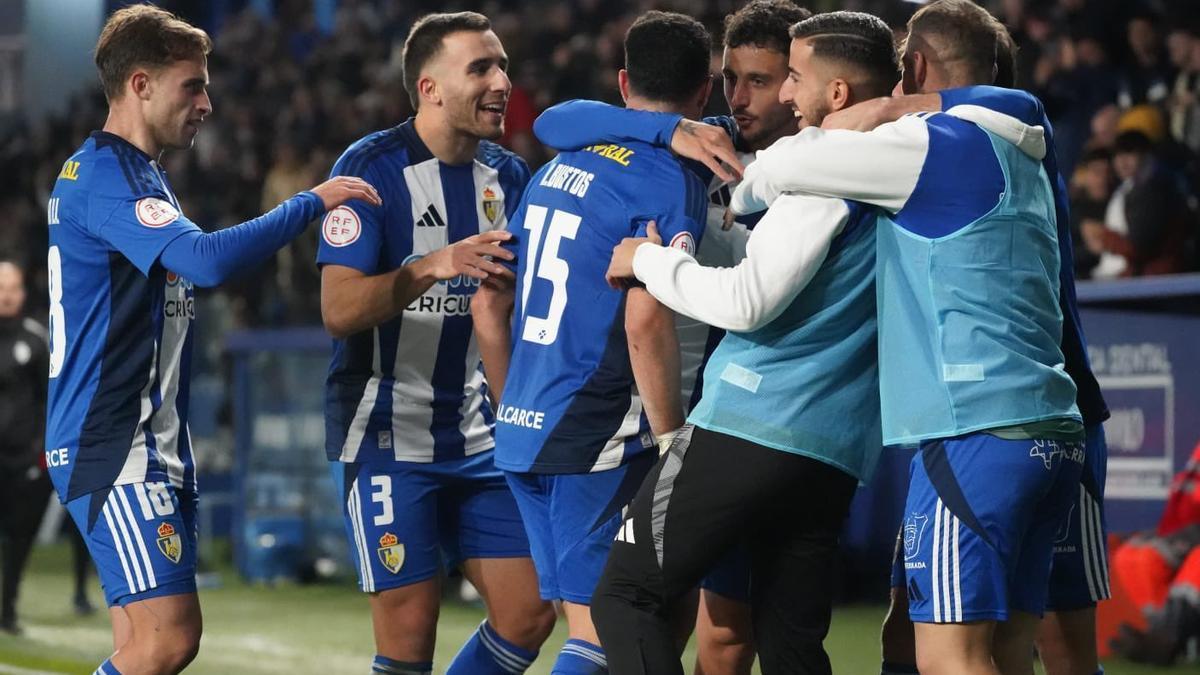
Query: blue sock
[[1101, 671], [890, 668], [107, 668], [383, 664], [486, 653], [580, 657]]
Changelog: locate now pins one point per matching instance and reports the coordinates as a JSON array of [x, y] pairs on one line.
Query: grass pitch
[[320, 629]]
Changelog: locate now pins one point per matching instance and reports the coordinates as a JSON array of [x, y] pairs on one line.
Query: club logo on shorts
[[391, 552], [914, 527], [684, 242], [169, 542], [155, 213], [491, 205], [341, 227]]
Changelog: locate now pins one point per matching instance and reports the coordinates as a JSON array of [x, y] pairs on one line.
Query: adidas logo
[[625, 534], [431, 218]]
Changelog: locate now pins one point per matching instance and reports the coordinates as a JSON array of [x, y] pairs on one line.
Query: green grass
[[322, 629]]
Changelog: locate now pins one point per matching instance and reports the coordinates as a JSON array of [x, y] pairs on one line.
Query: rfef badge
[[391, 552], [169, 542]]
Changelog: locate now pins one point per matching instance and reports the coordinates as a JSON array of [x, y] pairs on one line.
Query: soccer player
[[978, 383], [408, 422], [123, 261], [1066, 638], [755, 64], [573, 434], [800, 351]]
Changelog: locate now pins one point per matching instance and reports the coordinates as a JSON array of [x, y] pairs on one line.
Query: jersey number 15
[[549, 266]]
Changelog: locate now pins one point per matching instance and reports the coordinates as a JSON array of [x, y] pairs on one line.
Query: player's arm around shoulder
[[879, 167]]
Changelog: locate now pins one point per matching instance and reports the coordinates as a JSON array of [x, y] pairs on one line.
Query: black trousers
[[706, 493], [23, 498]]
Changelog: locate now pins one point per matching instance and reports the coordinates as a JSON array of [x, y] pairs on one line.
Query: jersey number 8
[[58, 316]]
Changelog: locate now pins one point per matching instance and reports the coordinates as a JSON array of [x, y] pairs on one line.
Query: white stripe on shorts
[[151, 582], [112, 529], [360, 538], [935, 559]]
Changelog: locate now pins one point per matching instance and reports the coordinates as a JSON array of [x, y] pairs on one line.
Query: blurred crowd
[[1120, 80]]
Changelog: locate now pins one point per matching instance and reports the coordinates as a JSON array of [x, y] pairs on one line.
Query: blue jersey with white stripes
[[411, 388], [120, 324], [569, 404]]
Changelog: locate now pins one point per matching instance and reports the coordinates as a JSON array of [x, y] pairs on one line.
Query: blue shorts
[[572, 519], [407, 521], [730, 577], [980, 523], [142, 537], [1079, 576]]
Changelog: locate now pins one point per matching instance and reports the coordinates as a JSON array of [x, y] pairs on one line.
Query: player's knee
[[170, 651], [528, 626]]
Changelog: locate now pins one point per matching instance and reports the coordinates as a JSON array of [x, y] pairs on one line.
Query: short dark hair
[[860, 40], [1132, 142], [968, 38], [144, 36], [1006, 59], [1095, 155], [667, 56], [424, 42], [764, 24]]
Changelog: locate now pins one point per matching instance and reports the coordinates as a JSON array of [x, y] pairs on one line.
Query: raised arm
[[578, 123], [208, 259]]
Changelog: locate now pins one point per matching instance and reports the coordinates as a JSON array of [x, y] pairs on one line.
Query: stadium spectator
[[1147, 224], [1146, 77], [1091, 188], [24, 484], [1184, 104]]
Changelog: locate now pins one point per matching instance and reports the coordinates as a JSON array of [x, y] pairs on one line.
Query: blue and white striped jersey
[[120, 325], [569, 404], [411, 389]]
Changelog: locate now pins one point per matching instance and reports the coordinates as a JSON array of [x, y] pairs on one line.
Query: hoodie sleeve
[[789, 245], [879, 167]]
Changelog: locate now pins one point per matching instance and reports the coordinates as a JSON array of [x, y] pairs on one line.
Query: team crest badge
[[169, 542], [491, 205], [391, 552], [914, 527]]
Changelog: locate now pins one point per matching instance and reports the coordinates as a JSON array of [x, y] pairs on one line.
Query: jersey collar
[[104, 138]]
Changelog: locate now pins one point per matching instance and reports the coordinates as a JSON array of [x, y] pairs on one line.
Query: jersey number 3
[[548, 266]]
